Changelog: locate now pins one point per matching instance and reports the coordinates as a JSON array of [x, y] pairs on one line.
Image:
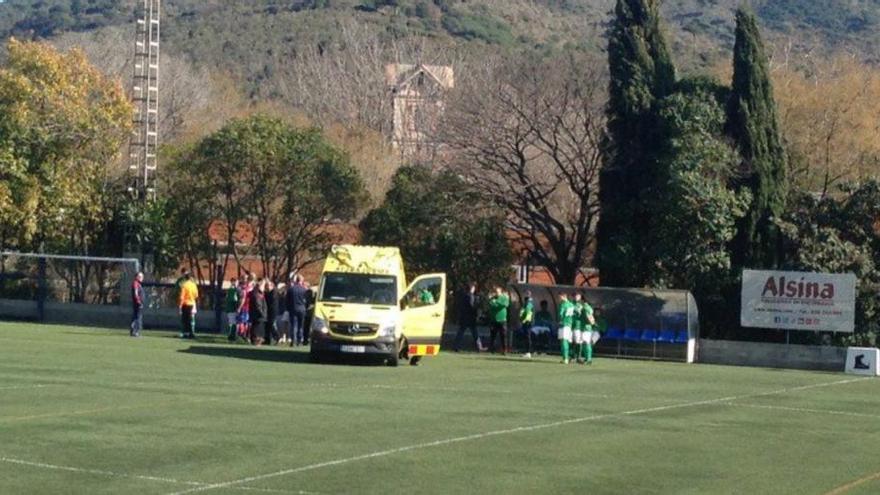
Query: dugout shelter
[[638, 323]]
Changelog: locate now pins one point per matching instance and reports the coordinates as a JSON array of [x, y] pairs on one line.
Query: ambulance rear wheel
[[414, 361]]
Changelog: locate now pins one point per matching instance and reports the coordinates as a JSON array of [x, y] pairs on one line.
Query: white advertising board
[[862, 361], [798, 300]]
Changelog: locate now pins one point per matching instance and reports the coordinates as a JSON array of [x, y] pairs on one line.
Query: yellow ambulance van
[[364, 306]]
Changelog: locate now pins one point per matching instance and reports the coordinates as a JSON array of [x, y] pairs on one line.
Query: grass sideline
[[93, 411]]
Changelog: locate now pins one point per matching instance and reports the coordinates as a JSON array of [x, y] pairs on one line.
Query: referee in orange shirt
[[189, 294]]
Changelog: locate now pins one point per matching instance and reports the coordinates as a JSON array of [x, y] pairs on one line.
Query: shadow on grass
[[251, 353], [201, 338], [103, 335], [274, 354], [519, 359]]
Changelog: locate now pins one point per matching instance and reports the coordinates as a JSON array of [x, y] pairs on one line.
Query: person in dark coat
[[296, 308], [310, 312], [258, 313], [271, 312], [467, 304]]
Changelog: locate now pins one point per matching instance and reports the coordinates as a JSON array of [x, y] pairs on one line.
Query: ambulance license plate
[[356, 349]]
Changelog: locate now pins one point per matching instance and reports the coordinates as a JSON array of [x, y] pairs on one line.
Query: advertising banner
[[862, 361], [798, 300]]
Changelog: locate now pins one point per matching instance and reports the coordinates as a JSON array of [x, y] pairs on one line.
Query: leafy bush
[[478, 26], [840, 234]]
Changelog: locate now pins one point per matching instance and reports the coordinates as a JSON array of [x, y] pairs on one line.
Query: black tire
[[393, 360]]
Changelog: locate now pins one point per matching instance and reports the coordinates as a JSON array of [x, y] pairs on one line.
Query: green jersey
[[426, 298], [578, 323], [586, 314], [498, 307], [566, 314], [527, 313], [232, 300]]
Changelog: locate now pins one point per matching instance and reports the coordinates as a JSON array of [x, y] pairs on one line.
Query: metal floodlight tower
[[144, 143]]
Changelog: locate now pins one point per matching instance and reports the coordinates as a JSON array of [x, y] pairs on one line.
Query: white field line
[[112, 474], [97, 472], [805, 410], [840, 490], [519, 429]]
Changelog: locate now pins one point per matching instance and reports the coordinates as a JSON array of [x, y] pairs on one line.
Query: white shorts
[[231, 318], [564, 333], [584, 337], [540, 330], [596, 337]]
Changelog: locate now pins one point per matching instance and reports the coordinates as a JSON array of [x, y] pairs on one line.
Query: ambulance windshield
[[359, 288]]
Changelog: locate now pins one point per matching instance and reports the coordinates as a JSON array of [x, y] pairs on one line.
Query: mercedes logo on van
[[354, 329]]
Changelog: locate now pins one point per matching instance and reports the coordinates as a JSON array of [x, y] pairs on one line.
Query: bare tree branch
[[528, 135]]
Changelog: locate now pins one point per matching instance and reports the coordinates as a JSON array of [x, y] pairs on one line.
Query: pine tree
[[752, 123], [641, 73]]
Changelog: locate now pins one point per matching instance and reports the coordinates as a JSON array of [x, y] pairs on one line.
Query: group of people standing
[[575, 325], [257, 310], [468, 304], [575, 334], [261, 312], [187, 304]]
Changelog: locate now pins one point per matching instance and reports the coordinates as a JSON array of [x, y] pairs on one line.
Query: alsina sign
[[798, 300], [801, 288]]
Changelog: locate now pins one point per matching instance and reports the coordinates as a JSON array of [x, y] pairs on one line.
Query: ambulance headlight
[[387, 329], [319, 326]]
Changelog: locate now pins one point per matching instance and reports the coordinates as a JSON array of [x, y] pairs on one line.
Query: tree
[[840, 233], [193, 98], [696, 208], [274, 188], [176, 227], [641, 72], [528, 135], [441, 225], [62, 123], [828, 111], [752, 123]]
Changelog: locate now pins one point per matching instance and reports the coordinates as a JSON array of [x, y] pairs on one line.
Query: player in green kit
[[566, 320], [231, 309], [577, 326], [584, 339]]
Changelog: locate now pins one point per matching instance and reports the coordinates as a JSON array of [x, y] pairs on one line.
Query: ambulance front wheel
[[394, 359]]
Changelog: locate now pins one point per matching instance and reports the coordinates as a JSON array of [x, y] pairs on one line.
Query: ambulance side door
[[424, 310]]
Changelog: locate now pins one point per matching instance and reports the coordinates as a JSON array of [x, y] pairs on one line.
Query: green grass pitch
[[93, 411]]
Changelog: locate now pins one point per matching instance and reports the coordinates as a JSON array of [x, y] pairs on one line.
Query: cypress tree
[[641, 72], [752, 123]]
